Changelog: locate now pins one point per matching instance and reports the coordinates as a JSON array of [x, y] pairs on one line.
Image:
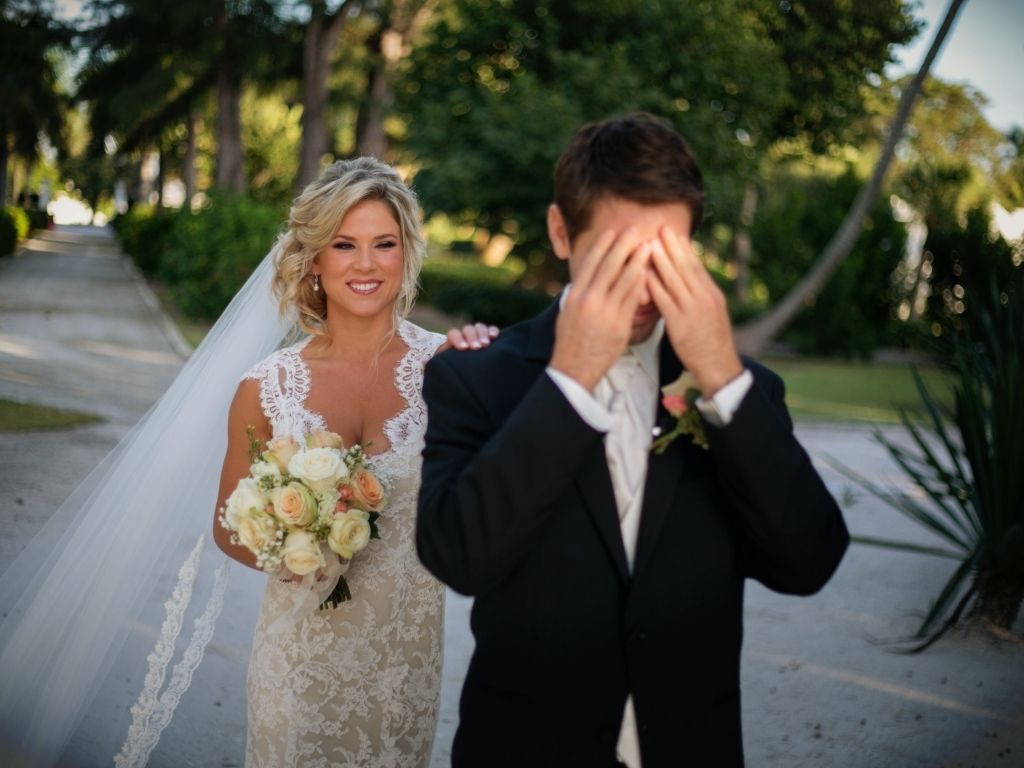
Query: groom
[[608, 578]]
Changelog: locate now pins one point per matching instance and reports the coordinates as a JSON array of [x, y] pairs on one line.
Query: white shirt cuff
[[722, 406], [585, 404]]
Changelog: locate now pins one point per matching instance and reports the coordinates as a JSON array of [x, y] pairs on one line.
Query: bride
[[80, 607], [357, 684]]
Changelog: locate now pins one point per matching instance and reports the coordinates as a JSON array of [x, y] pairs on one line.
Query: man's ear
[[558, 232]]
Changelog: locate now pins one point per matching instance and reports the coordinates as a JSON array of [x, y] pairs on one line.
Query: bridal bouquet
[[305, 509]]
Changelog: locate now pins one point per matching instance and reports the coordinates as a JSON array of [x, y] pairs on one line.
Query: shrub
[[14, 227], [210, 254], [479, 293], [144, 235], [969, 471], [853, 315], [36, 218]]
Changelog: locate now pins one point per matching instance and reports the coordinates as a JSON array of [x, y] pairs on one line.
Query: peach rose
[[280, 451], [366, 490], [295, 505], [321, 438]]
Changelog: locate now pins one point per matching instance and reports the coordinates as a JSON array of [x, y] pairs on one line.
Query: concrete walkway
[[79, 330]]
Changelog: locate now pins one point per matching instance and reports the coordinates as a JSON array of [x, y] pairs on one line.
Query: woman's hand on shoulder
[[474, 336]]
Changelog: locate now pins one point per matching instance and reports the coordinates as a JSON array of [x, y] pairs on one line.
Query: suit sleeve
[[793, 534], [488, 488]]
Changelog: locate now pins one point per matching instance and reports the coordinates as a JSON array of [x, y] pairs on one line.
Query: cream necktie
[[625, 449], [626, 442]]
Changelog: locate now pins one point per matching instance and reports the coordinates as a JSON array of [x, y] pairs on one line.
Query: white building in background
[[1010, 224]]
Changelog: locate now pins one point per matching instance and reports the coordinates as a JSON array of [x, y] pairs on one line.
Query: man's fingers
[[660, 295], [589, 267], [668, 273], [616, 261], [681, 250], [625, 292]]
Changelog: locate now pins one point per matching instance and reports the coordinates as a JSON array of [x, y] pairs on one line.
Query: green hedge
[[144, 235], [37, 219], [210, 254], [202, 257], [14, 227], [477, 292]]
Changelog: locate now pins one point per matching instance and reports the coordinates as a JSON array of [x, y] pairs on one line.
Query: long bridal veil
[[116, 598]]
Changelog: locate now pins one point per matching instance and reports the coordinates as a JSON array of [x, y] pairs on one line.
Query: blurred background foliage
[[194, 126]]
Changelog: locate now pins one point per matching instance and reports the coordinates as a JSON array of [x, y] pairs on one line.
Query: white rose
[[246, 497], [265, 469], [302, 553], [319, 468], [256, 530], [350, 532]]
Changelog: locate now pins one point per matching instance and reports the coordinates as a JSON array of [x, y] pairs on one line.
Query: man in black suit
[[608, 578]]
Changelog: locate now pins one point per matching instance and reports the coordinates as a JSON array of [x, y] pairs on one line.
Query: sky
[[985, 48]]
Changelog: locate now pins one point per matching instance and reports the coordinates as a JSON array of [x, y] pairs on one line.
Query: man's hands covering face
[[620, 271], [595, 323], [695, 312]]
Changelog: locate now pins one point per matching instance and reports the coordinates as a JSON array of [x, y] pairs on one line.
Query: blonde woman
[[357, 684], [106, 613]]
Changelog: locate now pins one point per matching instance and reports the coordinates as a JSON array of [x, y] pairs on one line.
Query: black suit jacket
[[516, 508]]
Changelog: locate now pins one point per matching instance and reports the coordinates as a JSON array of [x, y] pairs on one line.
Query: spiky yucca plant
[[970, 465]]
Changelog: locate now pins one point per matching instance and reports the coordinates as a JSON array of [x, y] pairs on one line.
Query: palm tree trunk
[[404, 19], [321, 39], [230, 160], [370, 136], [188, 167], [741, 244], [999, 597], [752, 337]]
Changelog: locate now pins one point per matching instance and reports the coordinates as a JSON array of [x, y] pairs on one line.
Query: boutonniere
[[680, 400]]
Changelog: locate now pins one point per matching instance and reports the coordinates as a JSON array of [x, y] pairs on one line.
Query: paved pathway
[[79, 330]]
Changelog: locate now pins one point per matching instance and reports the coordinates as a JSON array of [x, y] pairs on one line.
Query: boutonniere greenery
[[680, 400]]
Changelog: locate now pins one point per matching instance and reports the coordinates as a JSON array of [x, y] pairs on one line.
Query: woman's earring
[[316, 282]]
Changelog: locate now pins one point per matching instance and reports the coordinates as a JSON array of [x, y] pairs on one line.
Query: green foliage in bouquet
[[970, 465]]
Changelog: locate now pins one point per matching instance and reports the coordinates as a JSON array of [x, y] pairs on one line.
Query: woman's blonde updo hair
[[313, 221]]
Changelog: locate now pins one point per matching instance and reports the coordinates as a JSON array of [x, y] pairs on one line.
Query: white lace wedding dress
[[356, 685]]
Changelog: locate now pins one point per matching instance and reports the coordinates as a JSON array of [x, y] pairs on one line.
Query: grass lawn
[[831, 390], [25, 417]]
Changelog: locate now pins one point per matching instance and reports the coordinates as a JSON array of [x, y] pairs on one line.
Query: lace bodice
[[357, 685], [284, 379]]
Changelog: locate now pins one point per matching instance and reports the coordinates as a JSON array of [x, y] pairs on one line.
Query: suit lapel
[[595, 486], [664, 471], [593, 482]]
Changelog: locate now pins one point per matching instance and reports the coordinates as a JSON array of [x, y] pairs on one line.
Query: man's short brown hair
[[637, 157]]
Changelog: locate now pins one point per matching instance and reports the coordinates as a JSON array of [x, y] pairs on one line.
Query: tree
[[400, 21], [320, 39], [150, 69], [494, 90], [831, 49], [752, 336], [32, 103]]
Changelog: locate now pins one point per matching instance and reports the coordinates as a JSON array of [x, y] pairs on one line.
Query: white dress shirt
[[624, 405]]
